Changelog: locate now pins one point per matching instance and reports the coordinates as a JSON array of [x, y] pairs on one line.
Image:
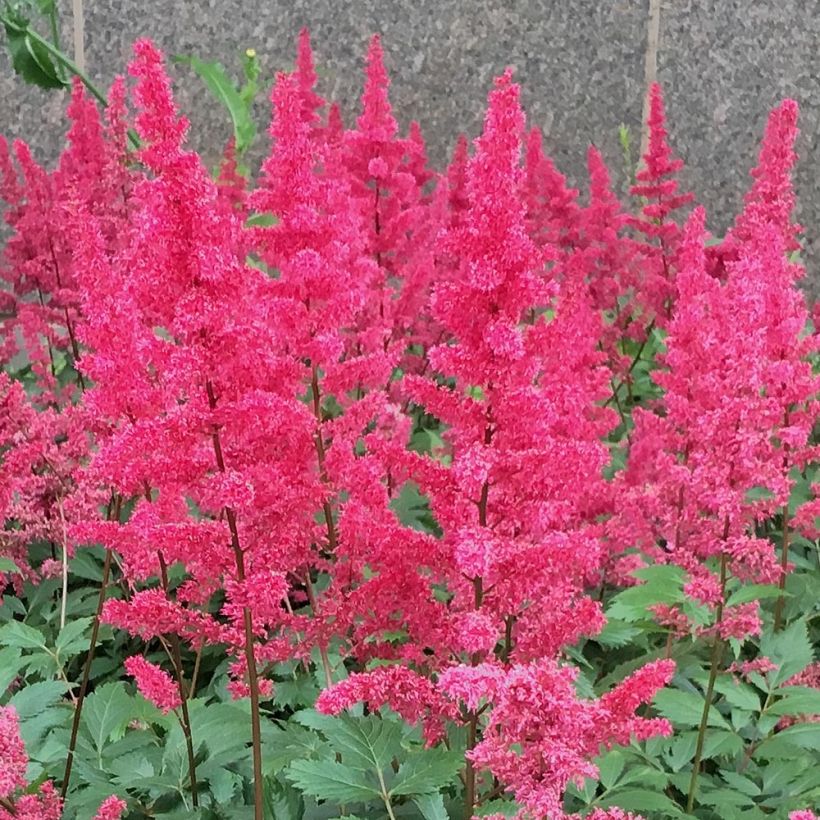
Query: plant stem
[[185, 720], [112, 514], [784, 564], [330, 525], [64, 601], [247, 618], [470, 794], [385, 795], [322, 649], [717, 657]]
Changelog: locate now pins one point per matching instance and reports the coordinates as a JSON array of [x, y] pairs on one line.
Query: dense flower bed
[[400, 491]]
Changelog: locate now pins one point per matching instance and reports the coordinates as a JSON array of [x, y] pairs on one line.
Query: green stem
[[113, 514], [247, 622], [717, 657], [55, 30]]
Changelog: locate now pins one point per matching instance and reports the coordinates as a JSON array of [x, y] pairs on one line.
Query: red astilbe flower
[[387, 176], [736, 415], [540, 736], [552, 206], [771, 199], [312, 103], [516, 497], [232, 184], [599, 261], [153, 683], [111, 808], [201, 412], [40, 304], [42, 494], [657, 185]]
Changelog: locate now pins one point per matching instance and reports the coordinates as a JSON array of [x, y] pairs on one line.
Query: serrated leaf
[[426, 771], [610, 767], [790, 650], [39, 707], [72, 638], [16, 633], [790, 741], [106, 711], [616, 634], [753, 592], [642, 800], [289, 743], [282, 801], [7, 565], [632, 604], [331, 780], [796, 700], [364, 742], [11, 662], [686, 708], [738, 694], [682, 750], [506, 808]]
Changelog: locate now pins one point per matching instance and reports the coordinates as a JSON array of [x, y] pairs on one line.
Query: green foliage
[[238, 102], [31, 57]]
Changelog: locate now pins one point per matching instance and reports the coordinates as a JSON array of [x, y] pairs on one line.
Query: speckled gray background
[[723, 64]]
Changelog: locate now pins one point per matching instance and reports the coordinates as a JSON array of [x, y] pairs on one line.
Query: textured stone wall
[[723, 64]]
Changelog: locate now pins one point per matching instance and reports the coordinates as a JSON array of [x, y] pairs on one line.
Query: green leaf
[[790, 650], [11, 662], [427, 771], [753, 592], [641, 800], [261, 220], [610, 767], [72, 638], [791, 741], [366, 742], [738, 694], [662, 585], [29, 58], [796, 700], [431, 806], [16, 633], [616, 634], [282, 801], [506, 808], [686, 708], [331, 780], [107, 711], [223, 89], [40, 708]]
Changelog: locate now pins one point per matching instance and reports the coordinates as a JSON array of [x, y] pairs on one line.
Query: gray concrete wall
[[723, 64]]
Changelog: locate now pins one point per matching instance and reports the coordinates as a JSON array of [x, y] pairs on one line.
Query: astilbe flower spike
[[519, 540], [199, 400], [657, 185], [153, 683], [111, 808]]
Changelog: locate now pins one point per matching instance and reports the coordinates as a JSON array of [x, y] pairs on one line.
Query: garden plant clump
[[359, 489]]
